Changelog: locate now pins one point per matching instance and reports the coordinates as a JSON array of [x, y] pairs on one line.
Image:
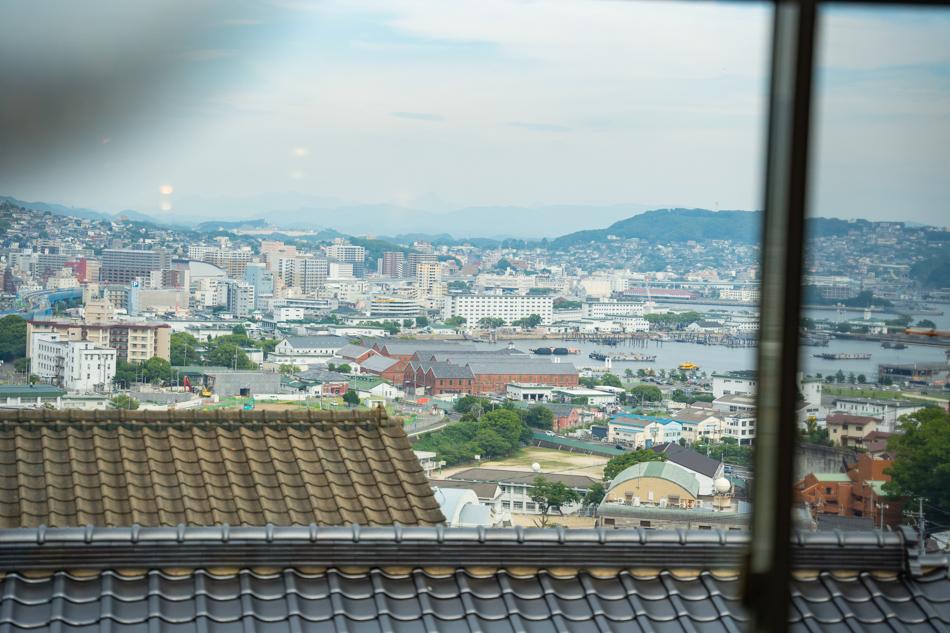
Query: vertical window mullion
[[769, 558]]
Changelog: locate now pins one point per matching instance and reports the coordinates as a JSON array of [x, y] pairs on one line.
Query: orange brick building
[[856, 493]]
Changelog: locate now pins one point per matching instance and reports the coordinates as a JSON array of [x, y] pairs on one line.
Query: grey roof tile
[[201, 597]]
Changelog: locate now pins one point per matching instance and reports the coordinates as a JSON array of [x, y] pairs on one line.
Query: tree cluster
[[12, 338], [921, 467], [495, 434], [673, 321], [728, 450], [618, 464]]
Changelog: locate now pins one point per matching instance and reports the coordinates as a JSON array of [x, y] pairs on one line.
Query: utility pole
[[920, 522]]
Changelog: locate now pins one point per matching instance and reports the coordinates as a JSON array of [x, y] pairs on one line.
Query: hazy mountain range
[[301, 211], [486, 223]]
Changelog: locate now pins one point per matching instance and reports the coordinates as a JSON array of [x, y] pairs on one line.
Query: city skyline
[[422, 106]]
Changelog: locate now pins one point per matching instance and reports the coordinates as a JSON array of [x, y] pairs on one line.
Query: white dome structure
[[722, 485]]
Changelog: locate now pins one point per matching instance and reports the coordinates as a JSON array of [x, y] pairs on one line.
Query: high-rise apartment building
[[240, 298], [307, 273], [348, 254], [121, 266], [232, 261], [391, 264], [258, 276], [414, 259]]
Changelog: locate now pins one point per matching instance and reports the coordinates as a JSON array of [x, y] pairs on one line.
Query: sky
[[180, 108]]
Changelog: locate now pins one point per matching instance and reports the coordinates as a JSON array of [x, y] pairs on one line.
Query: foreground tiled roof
[[118, 468], [437, 579]]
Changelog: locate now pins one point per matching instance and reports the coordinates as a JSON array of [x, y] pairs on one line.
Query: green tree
[[12, 338], [229, 355], [529, 322], [21, 365], [351, 398], [455, 322], [460, 442], [921, 467], [862, 379], [610, 380], [812, 434], [678, 395], [489, 444], [157, 370], [647, 393], [566, 304], [538, 417], [239, 330], [502, 265], [728, 450], [126, 373], [124, 401], [839, 376], [267, 344], [622, 462], [344, 368], [287, 369], [595, 494], [184, 349], [422, 321], [491, 322], [550, 496], [408, 323]]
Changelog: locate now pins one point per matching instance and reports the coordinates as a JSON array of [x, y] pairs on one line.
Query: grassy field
[[858, 392]]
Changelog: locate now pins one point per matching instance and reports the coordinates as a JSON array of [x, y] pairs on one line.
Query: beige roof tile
[[114, 468]]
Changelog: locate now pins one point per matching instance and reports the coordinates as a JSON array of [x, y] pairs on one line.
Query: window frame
[[767, 574]]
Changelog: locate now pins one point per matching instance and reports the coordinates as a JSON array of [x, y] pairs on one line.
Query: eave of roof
[[201, 547]]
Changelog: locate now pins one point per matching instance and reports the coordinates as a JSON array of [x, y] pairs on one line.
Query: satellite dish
[[536, 467], [722, 485]]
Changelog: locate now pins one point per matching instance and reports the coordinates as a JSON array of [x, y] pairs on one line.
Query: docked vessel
[[554, 351], [688, 366], [631, 358], [889, 345], [842, 356]]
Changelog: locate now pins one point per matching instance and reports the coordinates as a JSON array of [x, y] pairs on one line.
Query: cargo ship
[[842, 356]]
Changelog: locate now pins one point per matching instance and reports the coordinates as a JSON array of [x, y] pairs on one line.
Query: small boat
[[688, 366], [898, 346]]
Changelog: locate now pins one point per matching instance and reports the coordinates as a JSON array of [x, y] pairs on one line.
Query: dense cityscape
[[544, 378], [481, 316]]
